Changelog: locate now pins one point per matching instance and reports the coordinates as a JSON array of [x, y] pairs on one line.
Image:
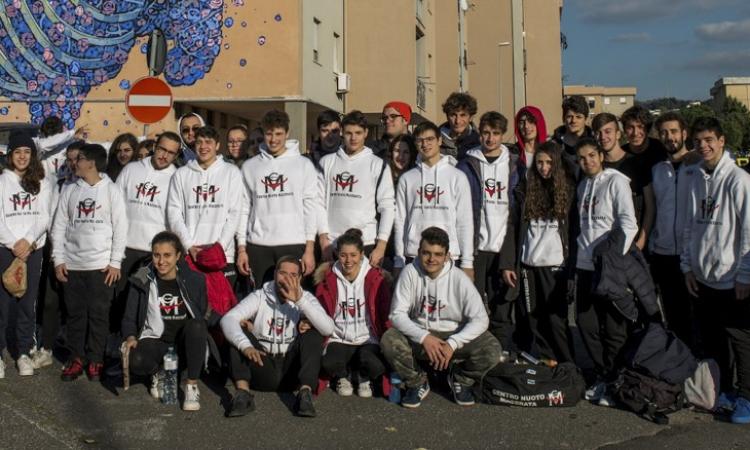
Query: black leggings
[[366, 358], [25, 306], [263, 259], [50, 311], [190, 343], [299, 366]]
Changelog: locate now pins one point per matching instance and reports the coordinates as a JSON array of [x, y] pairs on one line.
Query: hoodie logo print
[[274, 181], [22, 200], [147, 189], [491, 187], [204, 192], [351, 307], [344, 181], [708, 208], [87, 208], [277, 327], [169, 304], [431, 305], [429, 192], [590, 202]]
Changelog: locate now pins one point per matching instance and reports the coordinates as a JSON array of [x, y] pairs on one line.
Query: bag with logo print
[[533, 386]]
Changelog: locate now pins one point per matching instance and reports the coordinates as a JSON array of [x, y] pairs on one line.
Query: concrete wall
[[543, 59], [319, 79]]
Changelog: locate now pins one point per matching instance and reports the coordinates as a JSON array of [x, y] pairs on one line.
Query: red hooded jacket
[[211, 262], [541, 128]]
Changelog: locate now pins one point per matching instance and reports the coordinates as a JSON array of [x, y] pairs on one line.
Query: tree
[[734, 118]]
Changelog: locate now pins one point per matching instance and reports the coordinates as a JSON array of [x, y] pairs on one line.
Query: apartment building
[[614, 100]]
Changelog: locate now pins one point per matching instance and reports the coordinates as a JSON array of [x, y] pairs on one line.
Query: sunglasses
[[186, 130]]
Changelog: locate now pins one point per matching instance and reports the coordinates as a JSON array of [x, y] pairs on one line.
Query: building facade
[[737, 87], [230, 61], [614, 100]]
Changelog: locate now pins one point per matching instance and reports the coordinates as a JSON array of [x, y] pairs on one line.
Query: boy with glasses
[[395, 121]]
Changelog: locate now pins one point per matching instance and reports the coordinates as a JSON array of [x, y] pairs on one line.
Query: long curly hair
[[548, 199], [31, 181]]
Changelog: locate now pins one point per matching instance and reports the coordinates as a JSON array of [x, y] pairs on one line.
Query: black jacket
[[623, 279], [192, 287], [458, 147], [510, 253]]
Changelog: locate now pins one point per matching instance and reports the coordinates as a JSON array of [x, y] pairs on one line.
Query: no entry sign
[[149, 100]]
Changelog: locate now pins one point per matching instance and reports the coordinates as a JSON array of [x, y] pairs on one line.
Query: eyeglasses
[[386, 117], [426, 140], [164, 150], [186, 130], [235, 142]]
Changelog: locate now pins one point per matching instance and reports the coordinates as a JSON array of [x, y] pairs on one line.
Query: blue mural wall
[[53, 52]]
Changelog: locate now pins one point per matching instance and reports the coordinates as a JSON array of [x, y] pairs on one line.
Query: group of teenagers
[[428, 249]]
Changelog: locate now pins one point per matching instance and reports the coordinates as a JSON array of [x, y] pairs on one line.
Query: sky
[[665, 48]]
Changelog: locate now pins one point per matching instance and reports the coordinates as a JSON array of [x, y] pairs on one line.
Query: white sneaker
[[41, 358], [2, 366], [596, 391], [344, 387], [364, 390], [25, 366], [607, 401], [157, 385], [192, 398]]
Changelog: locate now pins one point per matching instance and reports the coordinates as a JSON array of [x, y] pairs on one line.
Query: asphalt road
[[43, 412]]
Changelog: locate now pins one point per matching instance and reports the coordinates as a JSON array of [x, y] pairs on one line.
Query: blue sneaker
[[414, 396], [462, 395], [741, 412], [726, 402]]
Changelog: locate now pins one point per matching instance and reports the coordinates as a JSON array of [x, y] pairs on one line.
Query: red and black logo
[[206, 193], [169, 304], [491, 187], [431, 305], [274, 181], [351, 307], [344, 181], [146, 189], [276, 327], [22, 201], [87, 208], [708, 208], [590, 202], [429, 192]]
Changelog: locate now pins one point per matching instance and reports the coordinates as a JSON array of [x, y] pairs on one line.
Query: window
[[623, 100], [606, 100], [315, 39], [592, 102]]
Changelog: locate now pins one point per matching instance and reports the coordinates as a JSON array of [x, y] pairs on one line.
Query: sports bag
[[534, 386], [648, 396]]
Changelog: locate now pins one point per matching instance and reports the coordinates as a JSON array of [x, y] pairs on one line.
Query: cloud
[[721, 63], [725, 31], [631, 38], [609, 11]]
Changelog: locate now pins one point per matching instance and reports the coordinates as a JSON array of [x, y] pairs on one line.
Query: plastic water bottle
[[395, 395], [170, 377]]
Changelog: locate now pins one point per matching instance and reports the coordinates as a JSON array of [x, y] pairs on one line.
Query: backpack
[[648, 396], [534, 386]]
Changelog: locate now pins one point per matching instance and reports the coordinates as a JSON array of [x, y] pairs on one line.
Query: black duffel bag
[[534, 386]]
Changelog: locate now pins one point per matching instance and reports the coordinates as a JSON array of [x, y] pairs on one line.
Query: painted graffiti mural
[[53, 52]]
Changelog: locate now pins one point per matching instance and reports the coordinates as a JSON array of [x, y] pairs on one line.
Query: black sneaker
[[305, 406], [414, 396], [462, 395], [243, 402]]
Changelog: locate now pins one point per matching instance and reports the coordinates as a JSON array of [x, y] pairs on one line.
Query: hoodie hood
[[179, 126], [341, 153], [541, 128], [292, 149]]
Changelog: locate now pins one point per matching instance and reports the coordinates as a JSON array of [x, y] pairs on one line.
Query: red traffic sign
[[149, 100]]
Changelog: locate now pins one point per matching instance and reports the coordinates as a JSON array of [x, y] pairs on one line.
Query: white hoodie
[[437, 196], [23, 215], [145, 190], [350, 196], [716, 239], [604, 202], [284, 198], [274, 322], [493, 217], [449, 303], [352, 323], [204, 206], [90, 227], [671, 192]]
